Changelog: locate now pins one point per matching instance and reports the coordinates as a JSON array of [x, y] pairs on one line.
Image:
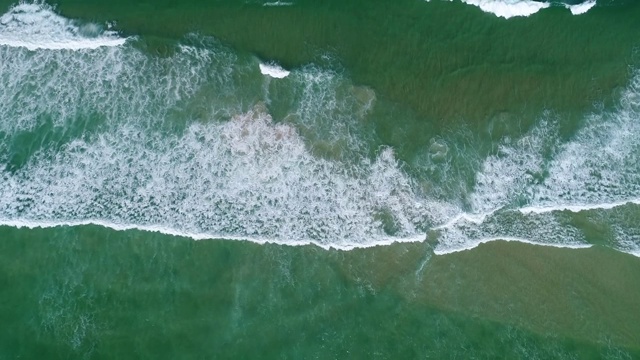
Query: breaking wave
[[516, 8], [37, 26], [200, 143]]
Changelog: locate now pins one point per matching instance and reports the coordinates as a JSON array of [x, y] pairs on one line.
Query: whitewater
[[37, 26], [522, 8], [171, 145]]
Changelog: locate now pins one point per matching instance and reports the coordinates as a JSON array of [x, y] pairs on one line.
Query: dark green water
[[363, 188]]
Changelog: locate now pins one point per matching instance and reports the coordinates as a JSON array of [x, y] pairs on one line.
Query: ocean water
[[364, 179]]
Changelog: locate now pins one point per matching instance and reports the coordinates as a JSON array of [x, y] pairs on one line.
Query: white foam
[[577, 208], [234, 173], [116, 83], [35, 224], [274, 71], [508, 8], [626, 236], [37, 26], [509, 173], [521, 8], [596, 170], [469, 231], [278, 3], [466, 217], [248, 179], [245, 177], [581, 8]]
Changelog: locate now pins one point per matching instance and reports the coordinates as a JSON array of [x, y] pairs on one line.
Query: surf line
[[381, 241], [31, 224], [46, 224]]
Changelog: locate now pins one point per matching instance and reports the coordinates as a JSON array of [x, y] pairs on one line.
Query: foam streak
[[577, 208]]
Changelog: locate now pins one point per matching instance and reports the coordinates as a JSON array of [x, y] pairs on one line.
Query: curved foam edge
[[273, 71], [577, 208], [204, 236], [510, 239], [579, 9]]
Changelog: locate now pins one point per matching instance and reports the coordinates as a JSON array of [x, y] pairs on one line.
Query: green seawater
[[161, 196], [89, 292]]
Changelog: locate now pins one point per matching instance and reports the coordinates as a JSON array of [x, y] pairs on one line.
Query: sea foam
[[169, 144], [278, 3], [274, 71], [533, 187], [37, 26], [165, 144], [508, 8], [521, 8], [581, 8], [247, 178]]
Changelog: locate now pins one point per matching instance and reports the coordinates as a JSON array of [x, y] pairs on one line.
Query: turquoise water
[[351, 171]]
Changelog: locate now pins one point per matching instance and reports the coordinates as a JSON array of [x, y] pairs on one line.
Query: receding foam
[[37, 26]]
